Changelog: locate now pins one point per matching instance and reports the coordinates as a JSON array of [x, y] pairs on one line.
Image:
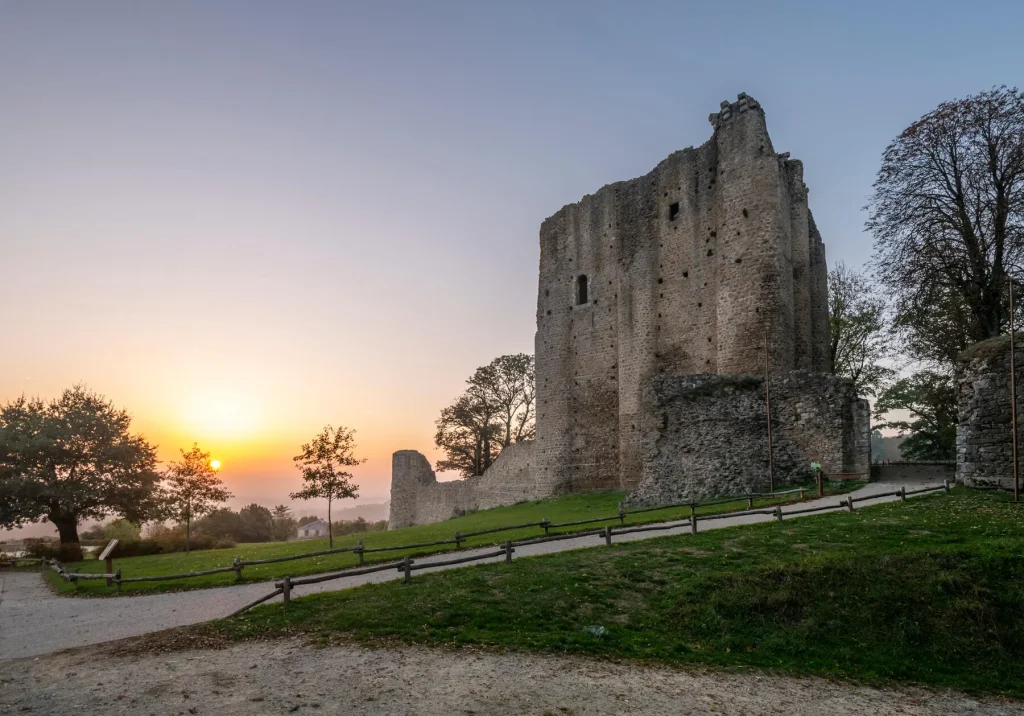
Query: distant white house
[[313, 529]]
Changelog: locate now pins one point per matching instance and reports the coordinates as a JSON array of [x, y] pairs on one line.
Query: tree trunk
[[188, 534], [67, 528], [330, 527]]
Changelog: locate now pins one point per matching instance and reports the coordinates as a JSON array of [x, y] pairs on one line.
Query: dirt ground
[[288, 676]]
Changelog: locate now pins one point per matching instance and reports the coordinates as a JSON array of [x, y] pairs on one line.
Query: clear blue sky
[[245, 219]]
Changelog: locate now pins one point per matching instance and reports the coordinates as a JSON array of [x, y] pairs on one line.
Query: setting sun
[[215, 464]]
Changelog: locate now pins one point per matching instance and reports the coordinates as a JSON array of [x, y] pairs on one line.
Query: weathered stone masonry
[[984, 449], [676, 273]]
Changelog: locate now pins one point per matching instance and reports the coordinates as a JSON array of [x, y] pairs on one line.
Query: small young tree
[[322, 464], [193, 488], [284, 523]]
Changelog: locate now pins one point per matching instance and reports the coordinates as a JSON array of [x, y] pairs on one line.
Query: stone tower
[[681, 272], [654, 303]]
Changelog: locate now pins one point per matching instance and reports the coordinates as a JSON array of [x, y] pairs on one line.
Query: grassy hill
[[568, 508], [931, 591]]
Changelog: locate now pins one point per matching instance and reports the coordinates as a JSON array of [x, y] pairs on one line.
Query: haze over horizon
[[242, 221]]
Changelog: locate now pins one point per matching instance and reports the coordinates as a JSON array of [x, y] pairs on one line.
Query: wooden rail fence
[[409, 564], [409, 561]]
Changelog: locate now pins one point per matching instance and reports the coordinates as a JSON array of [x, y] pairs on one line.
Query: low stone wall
[[417, 497], [984, 447], [706, 435]]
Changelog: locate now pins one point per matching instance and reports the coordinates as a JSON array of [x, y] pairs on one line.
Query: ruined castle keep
[[655, 300]]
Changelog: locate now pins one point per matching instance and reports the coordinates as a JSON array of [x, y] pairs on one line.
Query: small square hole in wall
[[673, 211]]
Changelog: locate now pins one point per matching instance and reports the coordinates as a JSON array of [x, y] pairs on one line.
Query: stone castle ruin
[[984, 433], [656, 297]]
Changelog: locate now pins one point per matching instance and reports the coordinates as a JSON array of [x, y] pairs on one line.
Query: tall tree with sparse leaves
[[497, 409], [73, 459], [322, 464], [859, 335], [947, 214], [193, 489]]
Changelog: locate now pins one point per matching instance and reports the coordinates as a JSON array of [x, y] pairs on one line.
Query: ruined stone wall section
[[984, 445], [706, 435], [417, 498], [821, 333]]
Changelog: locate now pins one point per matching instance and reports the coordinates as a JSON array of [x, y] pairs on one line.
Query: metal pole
[[1013, 401], [768, 405]]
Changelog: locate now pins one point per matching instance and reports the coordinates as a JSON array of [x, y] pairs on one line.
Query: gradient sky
[[244, 220]]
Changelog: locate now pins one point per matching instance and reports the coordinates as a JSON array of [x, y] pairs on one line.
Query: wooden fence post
[[286, 590], [778, 513], [237, 566], [946, 485], [508, 551], [693, 520], [117, 579], [608, 536], [903, 493], [359, 551], [750, 502], [544, 523], [458, 540], [801, 493], [849, 504], [622, 514], [406, 567]]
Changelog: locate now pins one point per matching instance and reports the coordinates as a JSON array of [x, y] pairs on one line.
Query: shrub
[[138, 548], [224, 543], [49, 549]]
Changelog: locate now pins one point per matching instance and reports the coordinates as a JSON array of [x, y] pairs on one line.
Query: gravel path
[[34, 620], [286, 676]]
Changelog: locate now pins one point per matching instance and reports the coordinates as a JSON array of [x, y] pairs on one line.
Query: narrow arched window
[[581, 290]]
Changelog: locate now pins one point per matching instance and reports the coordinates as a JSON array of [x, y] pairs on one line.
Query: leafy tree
[[497, 409], [219, 523], [96, 532], [284, 523], [123, 531], [947, 214], [930, 400], [193, 489], [858, 330], [466, 432], [257, 524], [73, 459], [321, 463]]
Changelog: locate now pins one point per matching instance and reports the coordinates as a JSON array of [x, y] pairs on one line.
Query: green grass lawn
[[568, 508], [930, 591]]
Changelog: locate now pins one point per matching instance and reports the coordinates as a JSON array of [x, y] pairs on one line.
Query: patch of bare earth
[[289, 676]]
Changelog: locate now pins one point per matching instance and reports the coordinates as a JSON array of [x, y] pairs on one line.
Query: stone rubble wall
[[984, 448], [417, 498], [706, 435]]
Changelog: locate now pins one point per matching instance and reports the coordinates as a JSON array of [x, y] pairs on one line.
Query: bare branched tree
[[948, 219]]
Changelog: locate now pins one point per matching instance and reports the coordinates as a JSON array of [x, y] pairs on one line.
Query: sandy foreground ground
[[288, 676]]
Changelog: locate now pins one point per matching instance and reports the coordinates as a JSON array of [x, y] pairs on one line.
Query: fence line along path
[[116, 578], [34, 620]]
